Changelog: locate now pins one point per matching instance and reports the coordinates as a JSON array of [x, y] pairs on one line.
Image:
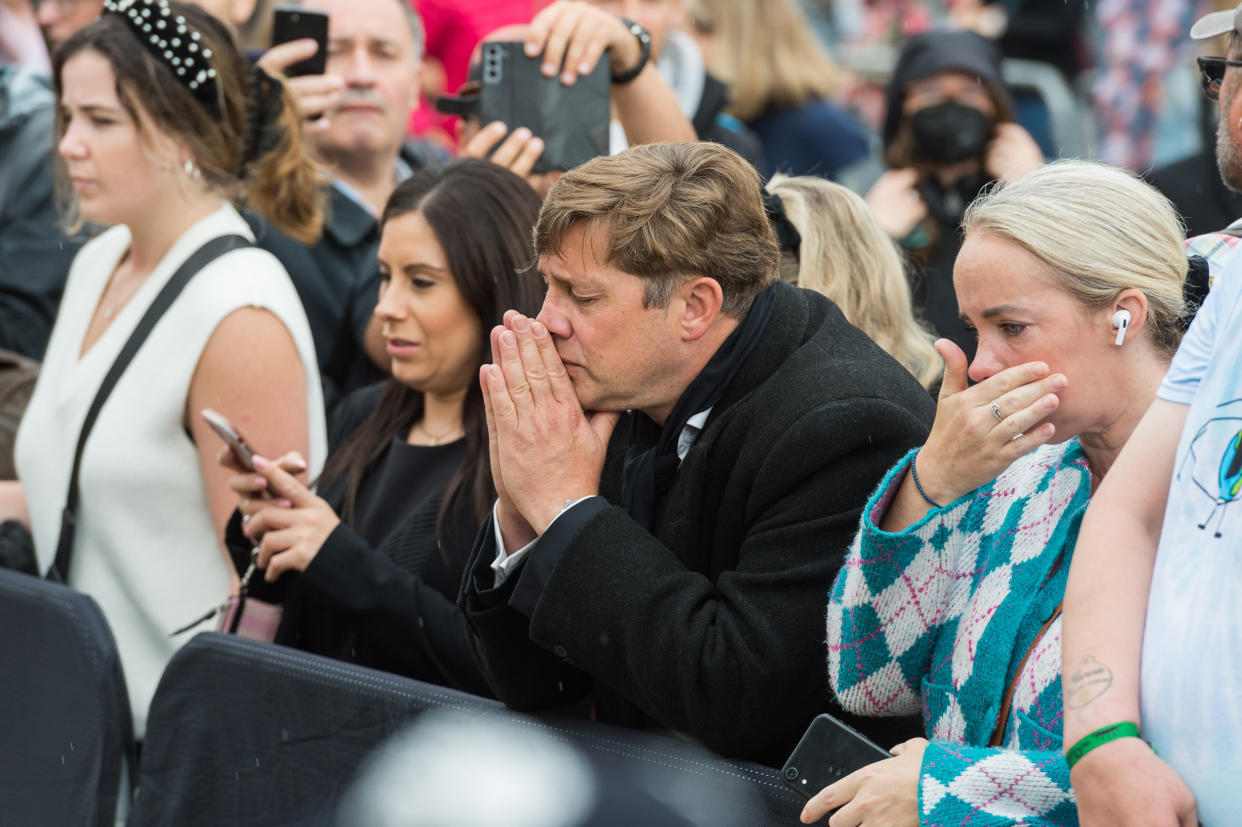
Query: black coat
[[391, 607], [34, 253], [714, 626]]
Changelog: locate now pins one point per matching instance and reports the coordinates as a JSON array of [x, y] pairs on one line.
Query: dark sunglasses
[[1212, 73]]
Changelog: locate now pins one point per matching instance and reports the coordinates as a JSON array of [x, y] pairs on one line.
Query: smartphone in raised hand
[[229, 433], [296, 23], [571, 120]]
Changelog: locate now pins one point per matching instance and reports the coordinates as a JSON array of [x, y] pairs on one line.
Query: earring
[[191, 169]]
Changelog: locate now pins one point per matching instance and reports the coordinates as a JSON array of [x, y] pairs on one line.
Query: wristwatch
[[644, 45]]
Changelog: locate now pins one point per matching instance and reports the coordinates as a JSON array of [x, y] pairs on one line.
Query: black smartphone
[[571, 120], [828, 751], [295, 23]]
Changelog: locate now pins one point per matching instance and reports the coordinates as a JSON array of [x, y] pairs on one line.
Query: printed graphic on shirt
[[1213, 462]]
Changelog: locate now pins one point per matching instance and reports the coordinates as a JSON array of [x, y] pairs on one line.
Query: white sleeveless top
[[145, 547]]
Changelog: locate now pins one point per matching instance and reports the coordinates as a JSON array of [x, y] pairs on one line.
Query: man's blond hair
[[666, 213]]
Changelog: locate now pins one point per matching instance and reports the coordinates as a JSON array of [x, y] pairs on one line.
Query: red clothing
[[454, 28]]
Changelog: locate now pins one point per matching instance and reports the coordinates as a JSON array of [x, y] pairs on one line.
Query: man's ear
[[700, 301]]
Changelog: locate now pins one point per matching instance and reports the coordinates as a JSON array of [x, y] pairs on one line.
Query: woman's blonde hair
[[848, 257], [766, 51], [1102, 230]]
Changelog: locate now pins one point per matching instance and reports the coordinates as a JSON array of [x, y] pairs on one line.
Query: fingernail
[[494, 372], [520, 324], [508, 339], [260, 462], [497, 126], [584, 68], [568, 78], [522, 133], [549, 70], [536, 143], [284, 504], [531, 49], [538, 329], [299, 463]]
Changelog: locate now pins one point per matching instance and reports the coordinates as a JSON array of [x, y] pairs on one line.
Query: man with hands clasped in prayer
[[949, 600], [680, 445]]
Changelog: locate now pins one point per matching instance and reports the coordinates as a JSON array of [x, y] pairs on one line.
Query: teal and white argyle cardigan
[[936, 618]]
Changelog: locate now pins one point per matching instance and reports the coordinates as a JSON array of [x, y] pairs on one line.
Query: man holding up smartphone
[[362, 104]]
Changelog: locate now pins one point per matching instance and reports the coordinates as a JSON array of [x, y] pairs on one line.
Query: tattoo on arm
[[1087, 683]]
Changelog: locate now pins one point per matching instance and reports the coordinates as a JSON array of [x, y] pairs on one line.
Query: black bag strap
[[199, 259]]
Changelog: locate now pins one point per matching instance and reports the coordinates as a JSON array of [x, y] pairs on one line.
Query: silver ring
[[1000, 417]]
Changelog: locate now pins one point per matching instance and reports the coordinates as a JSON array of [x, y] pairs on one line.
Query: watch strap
[[644, 45]]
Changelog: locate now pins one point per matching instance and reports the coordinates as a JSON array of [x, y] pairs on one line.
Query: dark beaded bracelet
[[915, 474]]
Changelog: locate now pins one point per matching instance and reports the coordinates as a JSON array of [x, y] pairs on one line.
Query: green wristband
[[1098, 738]]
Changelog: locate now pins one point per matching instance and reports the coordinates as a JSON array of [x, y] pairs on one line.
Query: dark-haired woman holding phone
[[368, 569]]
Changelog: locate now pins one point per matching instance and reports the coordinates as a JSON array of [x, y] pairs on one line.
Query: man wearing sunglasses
[[1220, 79]]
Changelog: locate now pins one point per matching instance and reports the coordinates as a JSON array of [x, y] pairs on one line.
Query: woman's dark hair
[[483, 216], [282, 184]]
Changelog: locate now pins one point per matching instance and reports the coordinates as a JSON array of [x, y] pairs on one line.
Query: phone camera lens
[[791, 773]]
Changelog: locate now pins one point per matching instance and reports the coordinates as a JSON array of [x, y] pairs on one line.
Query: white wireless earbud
[[1121, 320]]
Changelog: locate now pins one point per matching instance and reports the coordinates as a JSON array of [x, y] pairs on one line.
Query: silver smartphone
[[241, 449]]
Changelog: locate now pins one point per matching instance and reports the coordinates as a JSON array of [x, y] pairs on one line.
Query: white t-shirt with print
[[1191, 696]]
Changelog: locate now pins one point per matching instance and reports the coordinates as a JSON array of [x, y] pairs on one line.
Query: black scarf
[[651, 461]]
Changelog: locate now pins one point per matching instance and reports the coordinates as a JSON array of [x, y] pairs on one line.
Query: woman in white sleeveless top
[[156, 161]]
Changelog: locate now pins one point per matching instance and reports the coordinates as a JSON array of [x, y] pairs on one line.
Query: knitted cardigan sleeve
[[888, 603], [888, 607], [994, 787]]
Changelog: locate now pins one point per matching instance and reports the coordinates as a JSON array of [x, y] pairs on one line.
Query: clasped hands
[[285, 520], [545, 449]]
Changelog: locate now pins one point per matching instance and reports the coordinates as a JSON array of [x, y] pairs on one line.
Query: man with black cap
[[948, 132], [1151, 647]]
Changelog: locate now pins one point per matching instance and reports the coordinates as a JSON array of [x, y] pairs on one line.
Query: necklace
[[125, 295], [436, 439]]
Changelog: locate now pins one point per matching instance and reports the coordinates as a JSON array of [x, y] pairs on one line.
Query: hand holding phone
[[226, 431], [828, 751], [296, 23]]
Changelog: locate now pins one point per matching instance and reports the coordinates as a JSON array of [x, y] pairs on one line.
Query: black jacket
[[392, 607], [712, 124], [714, 626], [34, 254]]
